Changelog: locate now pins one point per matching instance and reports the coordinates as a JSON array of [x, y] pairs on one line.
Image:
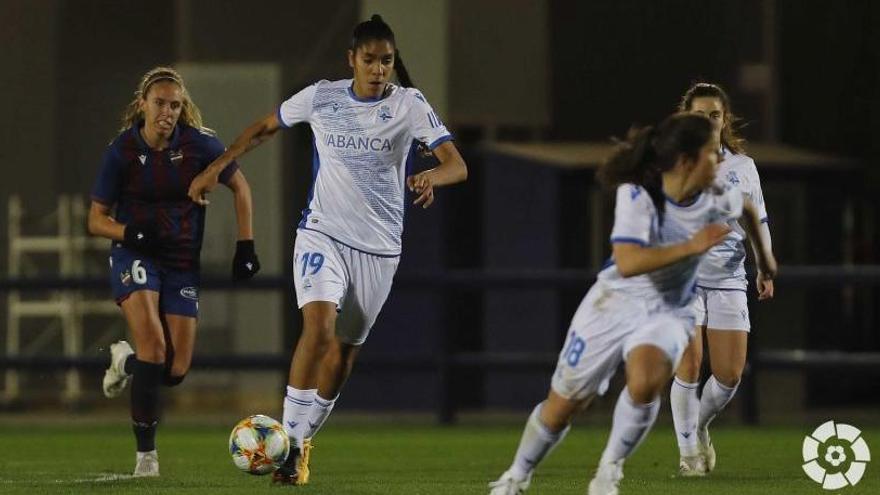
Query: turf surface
[[383, 459]]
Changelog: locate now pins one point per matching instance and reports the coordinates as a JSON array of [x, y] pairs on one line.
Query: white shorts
[[357, 282], [721, 309], [605, 328]]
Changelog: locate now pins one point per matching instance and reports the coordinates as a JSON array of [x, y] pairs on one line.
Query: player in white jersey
[[667, 214], [348, 242], [720, 308]]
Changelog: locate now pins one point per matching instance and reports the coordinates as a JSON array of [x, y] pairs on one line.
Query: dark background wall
[[593, 68]]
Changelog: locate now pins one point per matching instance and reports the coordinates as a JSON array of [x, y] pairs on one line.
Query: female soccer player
[[720, 306], [639, 310], [157, 236], [348, 241]]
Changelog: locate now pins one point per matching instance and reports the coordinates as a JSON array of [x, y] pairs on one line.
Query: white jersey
[[361, 150], [636, 221], [724, 265]]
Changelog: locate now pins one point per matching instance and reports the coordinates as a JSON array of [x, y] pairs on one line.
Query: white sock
[[715, 397], [297, 406], [685, 413], [318, 415], [537, 441], [630, 426]]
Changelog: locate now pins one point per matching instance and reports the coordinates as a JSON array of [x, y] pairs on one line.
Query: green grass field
[[383, 459]]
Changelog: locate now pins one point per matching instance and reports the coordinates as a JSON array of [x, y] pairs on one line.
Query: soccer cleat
[[302, 465], [706, 449], [508, 485], [692, 466], [287, 474], [147, 465], [607, 478], [115, 378]]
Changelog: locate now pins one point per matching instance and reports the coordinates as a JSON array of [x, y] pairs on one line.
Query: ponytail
[[402, 74], [648, 152], [633, 161]]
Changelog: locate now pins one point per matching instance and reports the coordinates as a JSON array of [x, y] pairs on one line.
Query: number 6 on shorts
[[138, 273]]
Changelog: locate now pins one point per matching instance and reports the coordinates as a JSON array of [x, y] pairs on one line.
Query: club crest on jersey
[[732, 178], [176, 157], [634, 192], [385, 113], [360, 143]]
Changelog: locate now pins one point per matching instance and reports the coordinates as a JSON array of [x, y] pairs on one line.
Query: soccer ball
[[258, 444]]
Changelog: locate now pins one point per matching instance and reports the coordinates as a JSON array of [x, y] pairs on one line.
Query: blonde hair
[[189, 113]]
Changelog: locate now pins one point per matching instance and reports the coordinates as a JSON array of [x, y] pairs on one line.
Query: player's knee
[[729, 377], [643, 388], [170, 379], [152, 351], [689, 368]]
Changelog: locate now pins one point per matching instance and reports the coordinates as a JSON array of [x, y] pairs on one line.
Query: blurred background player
[[639, 309], [349, 239], [721, 308], [157, 237]]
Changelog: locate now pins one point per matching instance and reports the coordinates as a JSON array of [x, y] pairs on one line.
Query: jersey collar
[[173, 143], [389, 89]]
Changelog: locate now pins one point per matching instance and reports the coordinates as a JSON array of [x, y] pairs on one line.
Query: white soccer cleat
[[706, 449], [508, 485], [115, 378], [147, 465], [692, 466], [607, 478]]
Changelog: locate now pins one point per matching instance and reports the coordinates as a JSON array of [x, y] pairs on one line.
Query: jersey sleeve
[[213, 149], [109, 182], [297, 108], [424, 123], [756, 194], [633, 216]]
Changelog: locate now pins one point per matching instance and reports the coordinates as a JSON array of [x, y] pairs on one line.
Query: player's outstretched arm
[[253, 136], [634, 259], [451, 170], [760, 240]]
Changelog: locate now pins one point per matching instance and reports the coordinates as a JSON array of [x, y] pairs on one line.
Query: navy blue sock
[[145, 405], [128, 366]]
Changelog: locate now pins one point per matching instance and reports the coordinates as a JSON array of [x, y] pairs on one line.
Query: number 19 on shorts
[[311, 261], [574, 349]]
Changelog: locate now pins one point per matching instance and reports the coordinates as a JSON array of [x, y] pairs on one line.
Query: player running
[[349, 239], [720, 307], [667, 214], [157, 237]]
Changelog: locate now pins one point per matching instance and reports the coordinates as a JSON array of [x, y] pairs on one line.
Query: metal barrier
[[448, 360]]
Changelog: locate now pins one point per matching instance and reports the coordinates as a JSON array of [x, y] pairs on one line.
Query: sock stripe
[[324, 402], [723, 386], [684, 384]]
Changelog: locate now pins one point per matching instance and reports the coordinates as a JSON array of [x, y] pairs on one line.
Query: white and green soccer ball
[[258, 444]]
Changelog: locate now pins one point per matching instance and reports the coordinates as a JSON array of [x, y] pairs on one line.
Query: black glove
[[245, 263], [141, 238]]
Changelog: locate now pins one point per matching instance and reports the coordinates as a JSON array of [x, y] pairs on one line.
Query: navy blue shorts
[[130, 272]]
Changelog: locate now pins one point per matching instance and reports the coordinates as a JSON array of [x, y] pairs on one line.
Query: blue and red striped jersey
[[150, 187]]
